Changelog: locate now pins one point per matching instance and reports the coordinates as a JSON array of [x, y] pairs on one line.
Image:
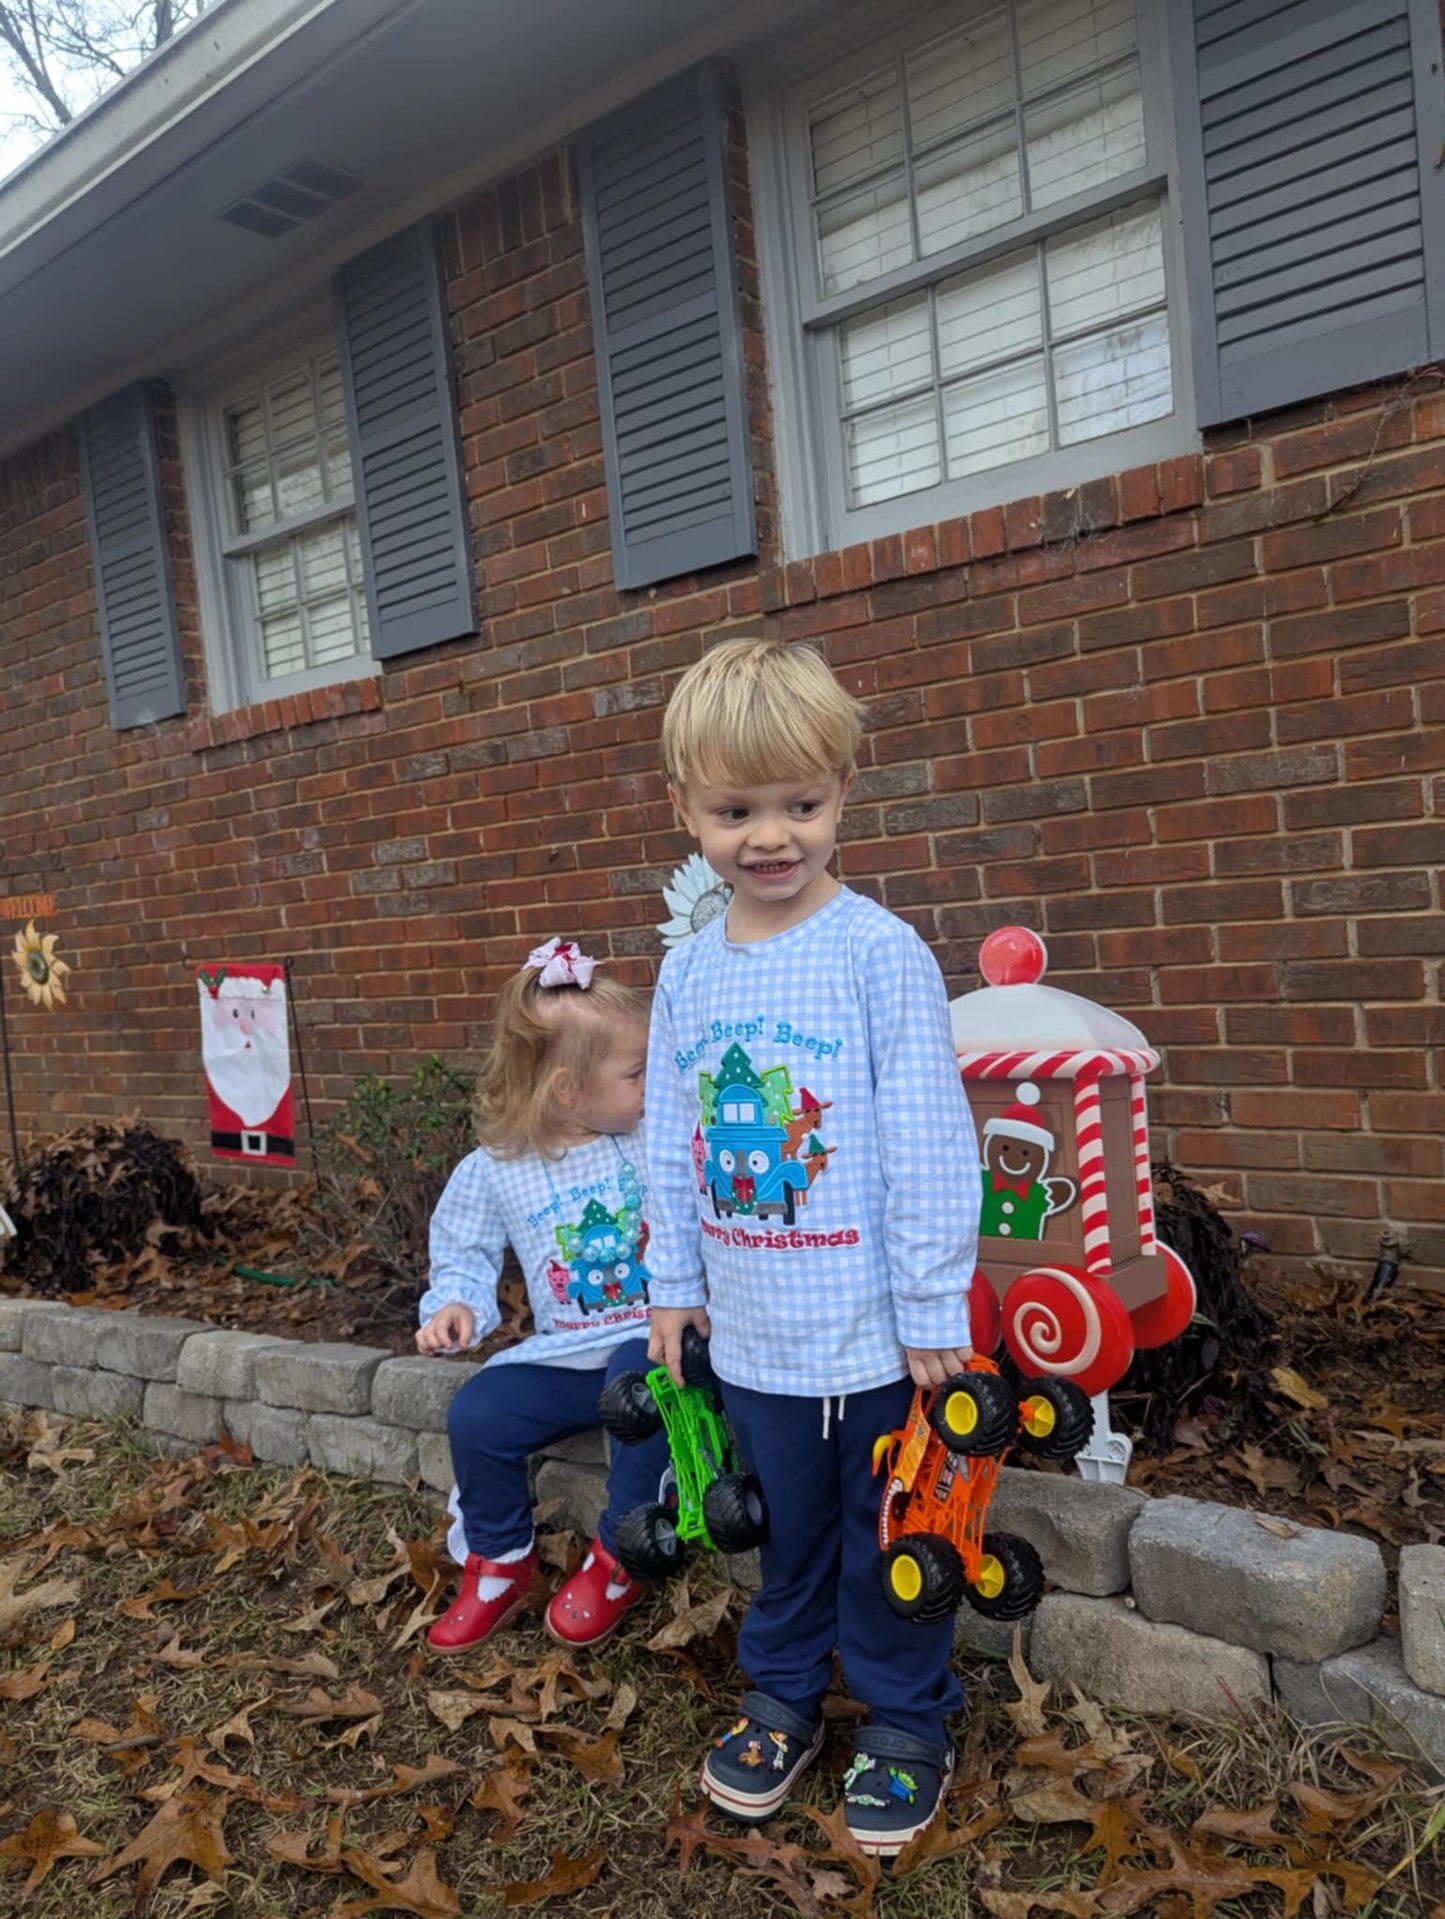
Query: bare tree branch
[[63, 54]]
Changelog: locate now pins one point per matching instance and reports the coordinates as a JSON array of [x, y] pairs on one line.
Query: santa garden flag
[[247, 1054]]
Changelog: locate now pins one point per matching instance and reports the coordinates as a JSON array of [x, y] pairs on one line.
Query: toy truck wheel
[[1010, 1579], [628, 1410], [696, 1364], [647, 1542], [975, 1414], [734, 1513], [1056, 1419], [922, 1578]]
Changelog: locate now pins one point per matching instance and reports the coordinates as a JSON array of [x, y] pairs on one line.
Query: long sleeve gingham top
[[814, 1170], [577, 1226]]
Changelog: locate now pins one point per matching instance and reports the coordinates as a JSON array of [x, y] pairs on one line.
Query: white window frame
[[801, 326], [230, 629]]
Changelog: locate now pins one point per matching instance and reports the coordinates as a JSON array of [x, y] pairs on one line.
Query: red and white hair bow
[[560, 964]]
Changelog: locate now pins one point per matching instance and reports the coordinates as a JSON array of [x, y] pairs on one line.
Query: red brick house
[[399, 396]]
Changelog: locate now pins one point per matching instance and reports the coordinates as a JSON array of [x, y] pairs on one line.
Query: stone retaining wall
[[1158, 1605]]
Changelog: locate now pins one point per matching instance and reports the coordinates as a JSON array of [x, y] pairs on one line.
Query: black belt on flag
[[254, 1144]]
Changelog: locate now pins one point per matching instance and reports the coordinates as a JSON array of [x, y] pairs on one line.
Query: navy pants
[[821, 1586], [509, 1412]]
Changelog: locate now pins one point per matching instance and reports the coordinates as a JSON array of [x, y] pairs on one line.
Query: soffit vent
[[289, 199]]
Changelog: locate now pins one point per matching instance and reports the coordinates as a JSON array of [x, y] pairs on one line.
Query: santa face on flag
[[247, 1055]]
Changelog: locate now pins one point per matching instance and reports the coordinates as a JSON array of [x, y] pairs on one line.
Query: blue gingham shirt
[[814, 1167], [587, 1294]]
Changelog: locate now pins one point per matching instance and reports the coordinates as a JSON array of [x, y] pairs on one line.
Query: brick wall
[[1186, 721]]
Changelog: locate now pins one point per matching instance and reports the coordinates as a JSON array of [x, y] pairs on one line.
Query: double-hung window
[[286, 603], [975, 234]]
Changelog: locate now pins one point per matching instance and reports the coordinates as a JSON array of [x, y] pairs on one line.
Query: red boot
[[471, 1618], [587, 1606]]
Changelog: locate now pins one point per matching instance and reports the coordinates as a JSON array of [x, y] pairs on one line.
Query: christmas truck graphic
[[604, 1265], [751, 1139]]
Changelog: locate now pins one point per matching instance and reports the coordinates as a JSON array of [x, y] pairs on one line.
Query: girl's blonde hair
[[754, 711], [538, 1033]]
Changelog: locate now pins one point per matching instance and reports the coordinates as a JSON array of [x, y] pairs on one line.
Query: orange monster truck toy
[[940, 1473]]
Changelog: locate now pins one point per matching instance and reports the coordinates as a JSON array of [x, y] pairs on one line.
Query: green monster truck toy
[[711, 1499]]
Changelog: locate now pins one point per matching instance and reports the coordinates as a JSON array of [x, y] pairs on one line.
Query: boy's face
[[771, 844]]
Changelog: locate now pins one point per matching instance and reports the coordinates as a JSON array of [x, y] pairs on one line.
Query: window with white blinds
[[290, 538], [977, 238]]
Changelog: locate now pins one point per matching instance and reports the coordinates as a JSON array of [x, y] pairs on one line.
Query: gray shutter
[[406, 453], [128, 544], [1314, 215], [658, 228]]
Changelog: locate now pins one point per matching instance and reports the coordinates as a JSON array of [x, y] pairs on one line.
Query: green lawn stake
[[710, 1499]]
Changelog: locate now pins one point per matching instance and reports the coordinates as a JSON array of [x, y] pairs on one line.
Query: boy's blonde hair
[[753, 711], [538, 1033]]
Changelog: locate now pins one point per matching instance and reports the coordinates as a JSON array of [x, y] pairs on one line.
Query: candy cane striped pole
[[1143, 1179], [1093, 1186]]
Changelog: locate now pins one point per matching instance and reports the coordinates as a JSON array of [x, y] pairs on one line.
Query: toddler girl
[[559, 1174]]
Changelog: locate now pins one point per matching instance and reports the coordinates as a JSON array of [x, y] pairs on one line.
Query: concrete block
[[1367, 1686], [145, 1348], [163, 1445], [318, 1379], [587, 1448], [88, 1394], [12, 1319], [363, 1448], [745, 1569], [579, 1494], [1303, 1593], [434, 1461], [276, 1434], [222, 1364], [1110, 1651], [25, 1382], [1080, 1526], [975, 1637], [1422, 1615], [66, 1338], [190, 1416], [416, 1391]]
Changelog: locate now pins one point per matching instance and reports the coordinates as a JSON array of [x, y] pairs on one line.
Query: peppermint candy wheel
[[985, 1316], [1060, 1322], [1160, 1320]]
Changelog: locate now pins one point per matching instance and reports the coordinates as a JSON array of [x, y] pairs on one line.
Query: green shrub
[[382, 1161]]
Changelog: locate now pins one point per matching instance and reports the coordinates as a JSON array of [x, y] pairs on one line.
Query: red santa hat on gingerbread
[[1020, 1121]]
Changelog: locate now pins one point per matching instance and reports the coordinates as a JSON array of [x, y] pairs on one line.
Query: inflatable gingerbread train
[[1067, 1241]]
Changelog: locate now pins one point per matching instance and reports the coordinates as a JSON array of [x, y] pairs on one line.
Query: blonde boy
[[831, 1261]]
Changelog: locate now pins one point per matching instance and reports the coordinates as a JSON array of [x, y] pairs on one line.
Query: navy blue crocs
[[894, 1788], [751, 1769]]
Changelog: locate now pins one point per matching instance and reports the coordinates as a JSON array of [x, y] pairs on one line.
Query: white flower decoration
[[696, 896]]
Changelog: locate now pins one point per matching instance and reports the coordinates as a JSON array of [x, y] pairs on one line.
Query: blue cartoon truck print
[[604, 1260], [746, 1167]]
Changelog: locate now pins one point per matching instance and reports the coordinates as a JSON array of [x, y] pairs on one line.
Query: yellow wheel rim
[[961, 1412], [991, 1577], [907, 1576], [1040, 1418]]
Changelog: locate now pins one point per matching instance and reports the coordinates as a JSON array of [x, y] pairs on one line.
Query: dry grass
[[311, 1583]]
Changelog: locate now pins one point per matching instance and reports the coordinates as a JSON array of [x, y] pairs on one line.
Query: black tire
[[922, 1578], [647, 1542], [696, 1364], [735, 1514], [1014, 1563], [628, 1410], [790, 1205], [1064, 1421], [975, 1414], [716, 1209]]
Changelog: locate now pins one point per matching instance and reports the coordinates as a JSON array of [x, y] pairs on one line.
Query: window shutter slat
[[1314, 213], [138, 635], [405, 445], [663, 281]]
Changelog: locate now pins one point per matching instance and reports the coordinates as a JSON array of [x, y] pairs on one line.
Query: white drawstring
[[828, 1411]]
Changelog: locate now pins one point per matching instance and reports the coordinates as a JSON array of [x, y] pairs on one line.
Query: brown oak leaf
[[568, 1874], [49, 1836], [417, 1891], [186, 1830], [14, 1605]]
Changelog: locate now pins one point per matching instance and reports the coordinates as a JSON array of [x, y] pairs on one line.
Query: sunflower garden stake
[[43, 977]]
